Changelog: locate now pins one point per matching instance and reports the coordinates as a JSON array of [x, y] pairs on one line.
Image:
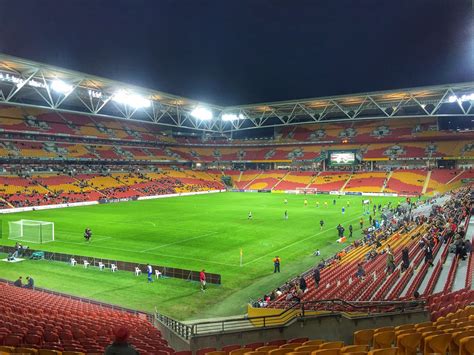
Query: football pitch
[[190, 232]]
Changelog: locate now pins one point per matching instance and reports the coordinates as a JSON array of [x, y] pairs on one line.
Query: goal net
[[31, 231], [306, 190]]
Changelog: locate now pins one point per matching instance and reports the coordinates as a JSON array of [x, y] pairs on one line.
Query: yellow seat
[[422, 330], [327, 352], [240, 351], [299, 353], [314, 342], [25, 351], [49, 352], [280, 351], [354, 348], [7, 349], [256, 353], [466, 346], [363, 337], [308, 348], [455, 340], [437, 343], [332, 345], [408, 344], [267, 348], [386, 351], [446, 326], [404, 327], [290, 345], [383, 329], [404, 331], [424, 324], [217, 353], [355, 353], [384, 340]]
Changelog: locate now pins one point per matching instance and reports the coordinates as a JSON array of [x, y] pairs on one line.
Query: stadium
[[325, 226]]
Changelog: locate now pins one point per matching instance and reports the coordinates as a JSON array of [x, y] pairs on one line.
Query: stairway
[[345, 184], [283, 178], [427, 181], [312, 180], [7, 203], [386, 181], [251, 181]]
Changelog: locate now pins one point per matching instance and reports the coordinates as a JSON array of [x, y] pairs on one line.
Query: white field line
[[275, 252], [178, 242]]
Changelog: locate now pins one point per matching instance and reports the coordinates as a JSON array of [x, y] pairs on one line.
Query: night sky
[[236, 52]]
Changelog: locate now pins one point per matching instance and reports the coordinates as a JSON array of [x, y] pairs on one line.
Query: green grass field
[[194, 232]]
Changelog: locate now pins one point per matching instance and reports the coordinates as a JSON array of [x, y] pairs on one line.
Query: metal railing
[[290, 313]]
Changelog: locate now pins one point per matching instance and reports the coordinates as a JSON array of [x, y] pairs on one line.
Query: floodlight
[[132, 100], [202, 113], [463, 98], [232, 117], [61, 87]]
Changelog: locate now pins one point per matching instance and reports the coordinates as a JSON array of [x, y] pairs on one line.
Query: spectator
[[316, 276], [303, 285], [120, 346], [18, 283], [30, 283], [390, 262], [276, 264], [360, 271], [405, 259]]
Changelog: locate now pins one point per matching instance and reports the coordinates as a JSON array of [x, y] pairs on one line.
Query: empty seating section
[[295, 180], [267, 180], [246, 178], [39, 320], [366, 182], [406, 182], [330, 181]]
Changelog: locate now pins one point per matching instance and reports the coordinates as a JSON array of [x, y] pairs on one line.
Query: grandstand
[[364, 150]]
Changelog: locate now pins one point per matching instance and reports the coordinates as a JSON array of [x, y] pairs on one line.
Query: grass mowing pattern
[[192, 232]]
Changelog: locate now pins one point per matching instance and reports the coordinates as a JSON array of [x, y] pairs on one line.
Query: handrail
[[292, 312]]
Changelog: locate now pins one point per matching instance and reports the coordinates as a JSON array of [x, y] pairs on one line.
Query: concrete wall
[[327, 327]]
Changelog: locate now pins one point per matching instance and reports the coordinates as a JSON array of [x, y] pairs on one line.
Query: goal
[[31, 231], [306, 190]]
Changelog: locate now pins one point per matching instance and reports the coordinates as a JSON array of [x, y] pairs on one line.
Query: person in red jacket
[[202, 280]]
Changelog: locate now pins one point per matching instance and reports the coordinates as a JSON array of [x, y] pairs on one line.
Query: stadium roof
[[31, 84]]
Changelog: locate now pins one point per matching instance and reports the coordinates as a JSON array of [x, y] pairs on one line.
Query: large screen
[[342, 158]]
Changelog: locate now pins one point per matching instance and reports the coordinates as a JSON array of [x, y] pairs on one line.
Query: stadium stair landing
[[345, 184], [427, 181], [251, 181], [312, 180], [386, 181], [7, 203], [283, 178]]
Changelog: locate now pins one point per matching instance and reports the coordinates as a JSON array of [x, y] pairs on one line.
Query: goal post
[[31, 231]]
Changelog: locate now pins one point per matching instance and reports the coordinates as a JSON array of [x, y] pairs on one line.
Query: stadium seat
[[314, 342], [256, 353], [291, 346], [241, 351], [456, 340], [229, 348], [363, 337], [327, 352], [466, 346], [101, 265], [217, 353], [113, 267], [332, 345], [437, 343], [307, 348], [384, 339], [278, 342], [86, 264], [408, 344], [49, 352], [299, 340], [280, 351], [266, 348], [254, 346], [26, 351], [386, 351], [354, 348]]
